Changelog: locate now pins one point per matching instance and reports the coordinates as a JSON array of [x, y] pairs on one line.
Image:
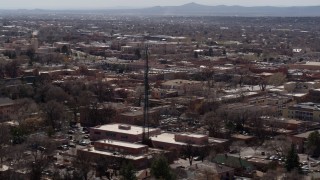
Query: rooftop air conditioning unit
[[124, 127]]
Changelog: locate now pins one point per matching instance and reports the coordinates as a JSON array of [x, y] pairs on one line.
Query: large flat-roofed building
[[121, 132], [113, 151], [287, 123], [304, 111], [170, 141], [121, 146]]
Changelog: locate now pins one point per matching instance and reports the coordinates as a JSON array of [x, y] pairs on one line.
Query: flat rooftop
[[240, 136], [108, 153], [217, 140], [166, 137], [134, 130], [170, 138], [122, 144], [193, 135], [136, 113], [282, 120], [305, 134], [307, 105], [179, 82], [6, 102]]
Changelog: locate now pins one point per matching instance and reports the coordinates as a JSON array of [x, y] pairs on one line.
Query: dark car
[[72, 145], [63, 147], [71, 132], [41, 148], [233, 151]]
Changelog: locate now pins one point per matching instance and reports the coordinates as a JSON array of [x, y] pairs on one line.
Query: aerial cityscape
[[170, 91]]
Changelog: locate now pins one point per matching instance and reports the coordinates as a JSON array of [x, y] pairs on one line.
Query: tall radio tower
[[146, 98]]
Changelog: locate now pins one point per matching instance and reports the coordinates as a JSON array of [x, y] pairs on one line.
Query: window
[[110, 134]]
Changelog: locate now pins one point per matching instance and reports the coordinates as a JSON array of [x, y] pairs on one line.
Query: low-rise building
[[210, 170], [136, 117], [175, 142], [6, 109], [300, 139], [183, 86], [304, 111], [115, 151]]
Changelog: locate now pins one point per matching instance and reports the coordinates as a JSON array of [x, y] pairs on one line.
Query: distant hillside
[[194, 9]]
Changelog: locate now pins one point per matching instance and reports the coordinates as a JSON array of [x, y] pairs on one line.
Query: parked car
[[313, 164], [41, 148], [84, 142], [63, 147], [72, 145], [71, 132], [233, 151]]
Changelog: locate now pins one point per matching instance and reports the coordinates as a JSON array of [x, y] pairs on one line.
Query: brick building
[[120, 132]]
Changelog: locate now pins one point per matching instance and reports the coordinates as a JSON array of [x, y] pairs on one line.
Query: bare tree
[[83, 165], [262, 82], [102, 90], [41, 149], [272, 174], [280, 144], [189, 152], [4, 141], [55, 115], [55, 93], [213, 123], [24, 109], [277, 79], [12, 69], [294, 175], [139, 91]]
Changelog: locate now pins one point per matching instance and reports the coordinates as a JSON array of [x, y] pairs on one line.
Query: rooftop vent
[[124, 127]]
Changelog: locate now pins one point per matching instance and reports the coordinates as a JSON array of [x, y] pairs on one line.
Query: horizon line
[[141, 7]]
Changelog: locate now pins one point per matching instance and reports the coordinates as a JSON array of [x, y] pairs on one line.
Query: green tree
[[313, 144], [160, 168], [292, 161], [128, 172]]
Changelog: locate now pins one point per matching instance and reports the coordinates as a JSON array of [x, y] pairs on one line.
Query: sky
[[100, 4]]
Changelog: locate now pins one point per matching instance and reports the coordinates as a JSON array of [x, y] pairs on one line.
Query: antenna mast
[[146, 97]]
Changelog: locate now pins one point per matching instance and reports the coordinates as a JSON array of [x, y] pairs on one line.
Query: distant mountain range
[[194, 9]]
